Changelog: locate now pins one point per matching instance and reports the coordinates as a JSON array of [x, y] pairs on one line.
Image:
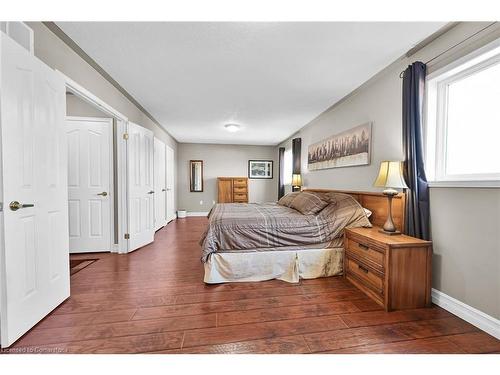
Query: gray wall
[[465, 221], [56, 54], [223, 161], [77, 107]]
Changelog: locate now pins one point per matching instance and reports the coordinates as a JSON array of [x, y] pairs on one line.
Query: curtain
[[296, 155], [281, 176], [417, 196]]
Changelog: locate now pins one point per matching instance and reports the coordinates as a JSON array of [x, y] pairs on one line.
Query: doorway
[[97, 182]]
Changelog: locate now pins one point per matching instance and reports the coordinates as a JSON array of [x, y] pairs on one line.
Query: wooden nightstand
[[395, 271]]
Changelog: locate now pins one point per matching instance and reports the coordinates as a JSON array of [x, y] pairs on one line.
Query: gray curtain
[[417, 196], [281, 175]]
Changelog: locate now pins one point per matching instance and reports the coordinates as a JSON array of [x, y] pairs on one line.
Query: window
[[288, 167], [463, 122]]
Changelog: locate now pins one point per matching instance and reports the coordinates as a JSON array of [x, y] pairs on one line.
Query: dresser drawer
[[240, 189], [365, 275], [240, 182], [240, 197], [363, 251]]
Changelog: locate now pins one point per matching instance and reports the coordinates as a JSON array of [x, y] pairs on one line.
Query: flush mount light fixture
[[232, 127]]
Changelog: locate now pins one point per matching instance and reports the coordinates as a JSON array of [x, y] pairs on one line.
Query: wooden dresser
[[395, 271], [232, 189]]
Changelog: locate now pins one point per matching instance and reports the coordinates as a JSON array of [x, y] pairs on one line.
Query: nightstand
[[395, 271]]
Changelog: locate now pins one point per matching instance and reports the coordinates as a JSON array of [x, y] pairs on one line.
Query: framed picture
[[347, 149], [260, 169]]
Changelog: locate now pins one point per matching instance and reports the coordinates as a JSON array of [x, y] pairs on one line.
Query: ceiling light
[[232, 127]]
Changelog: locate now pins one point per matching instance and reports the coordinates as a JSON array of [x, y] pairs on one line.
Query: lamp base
[[389, 233]]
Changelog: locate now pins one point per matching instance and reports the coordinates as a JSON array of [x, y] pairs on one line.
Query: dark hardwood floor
[[154, 300]]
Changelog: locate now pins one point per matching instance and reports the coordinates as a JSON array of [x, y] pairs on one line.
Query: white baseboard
[[197, 213], [468, 313]]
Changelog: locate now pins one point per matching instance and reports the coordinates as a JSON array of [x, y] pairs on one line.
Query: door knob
[[15, 205], [103, 194], [151, 192], [163, 190]]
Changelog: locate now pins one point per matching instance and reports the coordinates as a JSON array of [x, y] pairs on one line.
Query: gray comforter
[[270, 226]]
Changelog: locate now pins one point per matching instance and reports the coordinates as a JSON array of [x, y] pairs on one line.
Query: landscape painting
[[347, 149]]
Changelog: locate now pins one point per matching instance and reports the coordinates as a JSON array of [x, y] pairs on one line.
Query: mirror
[[196, 175]]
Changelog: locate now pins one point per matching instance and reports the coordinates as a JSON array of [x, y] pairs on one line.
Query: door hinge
[[127, 236], [125, 136]]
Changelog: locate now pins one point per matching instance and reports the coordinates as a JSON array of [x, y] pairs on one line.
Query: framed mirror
[[196, 176]]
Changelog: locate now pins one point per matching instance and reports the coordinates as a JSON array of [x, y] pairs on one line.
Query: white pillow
[[367, 212]]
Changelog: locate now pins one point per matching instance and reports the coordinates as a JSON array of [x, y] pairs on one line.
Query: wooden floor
[[154, 300]]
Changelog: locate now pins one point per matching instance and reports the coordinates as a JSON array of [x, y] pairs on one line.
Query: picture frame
[[260, 169], [349, 148], [196, 176]]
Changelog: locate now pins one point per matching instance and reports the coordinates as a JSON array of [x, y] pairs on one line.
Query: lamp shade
[[390, 175], [296, 180]]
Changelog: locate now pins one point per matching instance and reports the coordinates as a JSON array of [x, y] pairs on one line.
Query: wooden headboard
[[377, 204]]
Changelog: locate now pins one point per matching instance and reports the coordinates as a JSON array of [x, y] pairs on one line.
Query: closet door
[[89, 183], [170, 184], [140, 153], [34, 257], [160, 184]]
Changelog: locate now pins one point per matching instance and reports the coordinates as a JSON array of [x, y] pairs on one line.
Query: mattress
[[252, 227]]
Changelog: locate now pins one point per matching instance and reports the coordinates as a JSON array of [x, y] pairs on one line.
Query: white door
[[170, 184], [89, 183], [140, 151], [34, 257], [160, 184]]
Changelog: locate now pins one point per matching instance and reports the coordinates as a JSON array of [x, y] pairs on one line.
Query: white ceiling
[[271, 78]]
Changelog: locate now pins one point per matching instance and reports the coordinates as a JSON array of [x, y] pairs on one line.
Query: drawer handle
[[362, 268], [364, 247]]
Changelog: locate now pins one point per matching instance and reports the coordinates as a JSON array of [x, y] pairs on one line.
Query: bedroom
[[290, 137]]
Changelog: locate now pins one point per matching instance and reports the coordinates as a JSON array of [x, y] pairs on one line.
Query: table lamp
[[390, 177], [296, 182]]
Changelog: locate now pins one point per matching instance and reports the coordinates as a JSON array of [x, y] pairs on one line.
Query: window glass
[[473, 124]]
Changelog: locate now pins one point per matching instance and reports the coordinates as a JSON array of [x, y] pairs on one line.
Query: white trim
[[86, 95], [121, 162], [468, 60], [197, 213], [464, 184], [468, 313]]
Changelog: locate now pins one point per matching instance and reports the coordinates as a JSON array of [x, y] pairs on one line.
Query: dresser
[[232, 189], [394, 271]]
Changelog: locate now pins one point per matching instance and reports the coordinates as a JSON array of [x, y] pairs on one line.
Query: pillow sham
[[287, 199], [367, 212], [309, 203]]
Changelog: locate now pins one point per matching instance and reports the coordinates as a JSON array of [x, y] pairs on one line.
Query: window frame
[[436, 121], [287, 167]]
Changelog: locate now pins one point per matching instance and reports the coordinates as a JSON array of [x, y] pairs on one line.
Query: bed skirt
[[286, 265]]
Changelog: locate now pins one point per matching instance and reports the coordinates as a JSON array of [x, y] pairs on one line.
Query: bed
[[256, 242]]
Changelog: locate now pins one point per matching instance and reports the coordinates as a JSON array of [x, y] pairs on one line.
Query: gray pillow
[[287, 199], [309, 203]]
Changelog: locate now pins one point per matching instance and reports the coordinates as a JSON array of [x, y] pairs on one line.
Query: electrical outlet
[[213, 202], [201, 203]]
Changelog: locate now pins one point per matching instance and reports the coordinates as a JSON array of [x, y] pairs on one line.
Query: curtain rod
[[401, 75]]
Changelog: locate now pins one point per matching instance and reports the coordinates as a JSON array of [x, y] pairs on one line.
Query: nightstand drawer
[[364, 274], [363, 251]]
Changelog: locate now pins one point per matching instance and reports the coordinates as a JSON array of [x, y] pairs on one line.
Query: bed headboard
[[377, 204]]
